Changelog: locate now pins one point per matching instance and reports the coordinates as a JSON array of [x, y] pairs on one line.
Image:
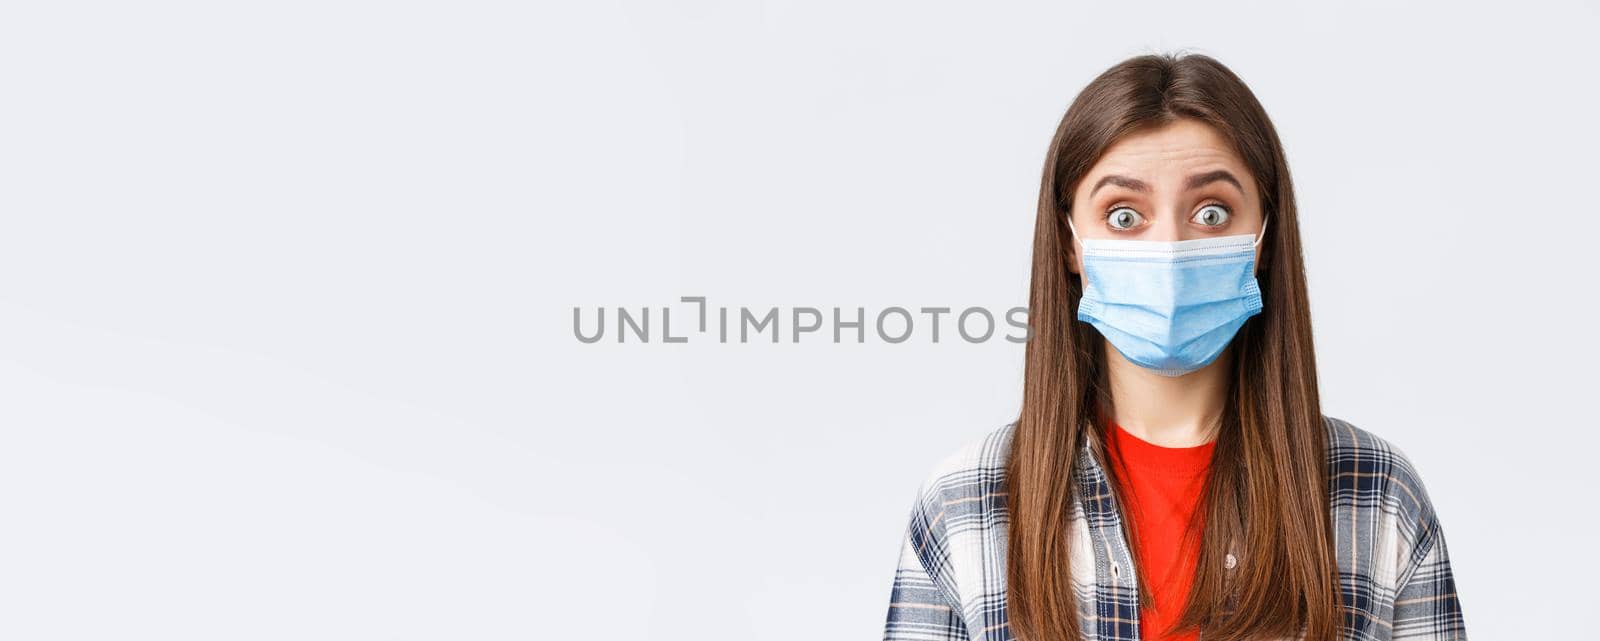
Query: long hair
[[1266, 494]]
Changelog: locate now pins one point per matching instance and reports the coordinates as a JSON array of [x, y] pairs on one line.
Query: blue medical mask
[[1171, 307]]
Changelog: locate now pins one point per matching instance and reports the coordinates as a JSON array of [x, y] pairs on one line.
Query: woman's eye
[[1123, 218], [1211, 215]]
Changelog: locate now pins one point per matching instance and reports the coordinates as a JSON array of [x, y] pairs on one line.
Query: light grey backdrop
[[286, 291]]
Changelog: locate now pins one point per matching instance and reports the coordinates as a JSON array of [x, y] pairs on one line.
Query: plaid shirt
[[1394, 573]]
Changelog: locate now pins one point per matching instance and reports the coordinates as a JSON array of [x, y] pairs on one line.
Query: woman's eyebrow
[[1221, 175], [1195, 182], [1120, 181]]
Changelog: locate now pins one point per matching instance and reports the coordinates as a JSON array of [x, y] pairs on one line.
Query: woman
[[1171, 475]]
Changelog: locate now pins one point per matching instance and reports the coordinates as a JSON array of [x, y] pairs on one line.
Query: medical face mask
[[1171, 307]]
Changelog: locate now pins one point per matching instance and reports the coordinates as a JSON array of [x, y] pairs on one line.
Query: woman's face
[[1179, 182]]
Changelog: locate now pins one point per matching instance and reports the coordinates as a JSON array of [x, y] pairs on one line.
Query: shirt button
[[1230, 562]]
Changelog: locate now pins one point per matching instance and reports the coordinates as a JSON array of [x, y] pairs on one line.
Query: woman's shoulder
[[966, 483], [948, 556], [1368, 467], [1373, 487], [979, 453], [976, 464]]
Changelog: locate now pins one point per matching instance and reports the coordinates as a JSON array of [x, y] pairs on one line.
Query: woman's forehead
[[1167, 158], [1182, 143]]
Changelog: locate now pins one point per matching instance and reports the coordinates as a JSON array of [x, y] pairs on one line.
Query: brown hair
[[1266, 494]]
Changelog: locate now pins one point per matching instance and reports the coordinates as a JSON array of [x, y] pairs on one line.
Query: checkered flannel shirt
[[1394, 572]]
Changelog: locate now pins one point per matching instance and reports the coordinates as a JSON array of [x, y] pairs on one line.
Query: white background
[[286, 296]]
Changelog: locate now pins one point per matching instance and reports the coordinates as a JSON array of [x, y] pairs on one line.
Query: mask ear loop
[[1073, 230]]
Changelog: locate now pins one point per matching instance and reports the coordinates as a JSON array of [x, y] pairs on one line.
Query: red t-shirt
[[1161, 488]]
